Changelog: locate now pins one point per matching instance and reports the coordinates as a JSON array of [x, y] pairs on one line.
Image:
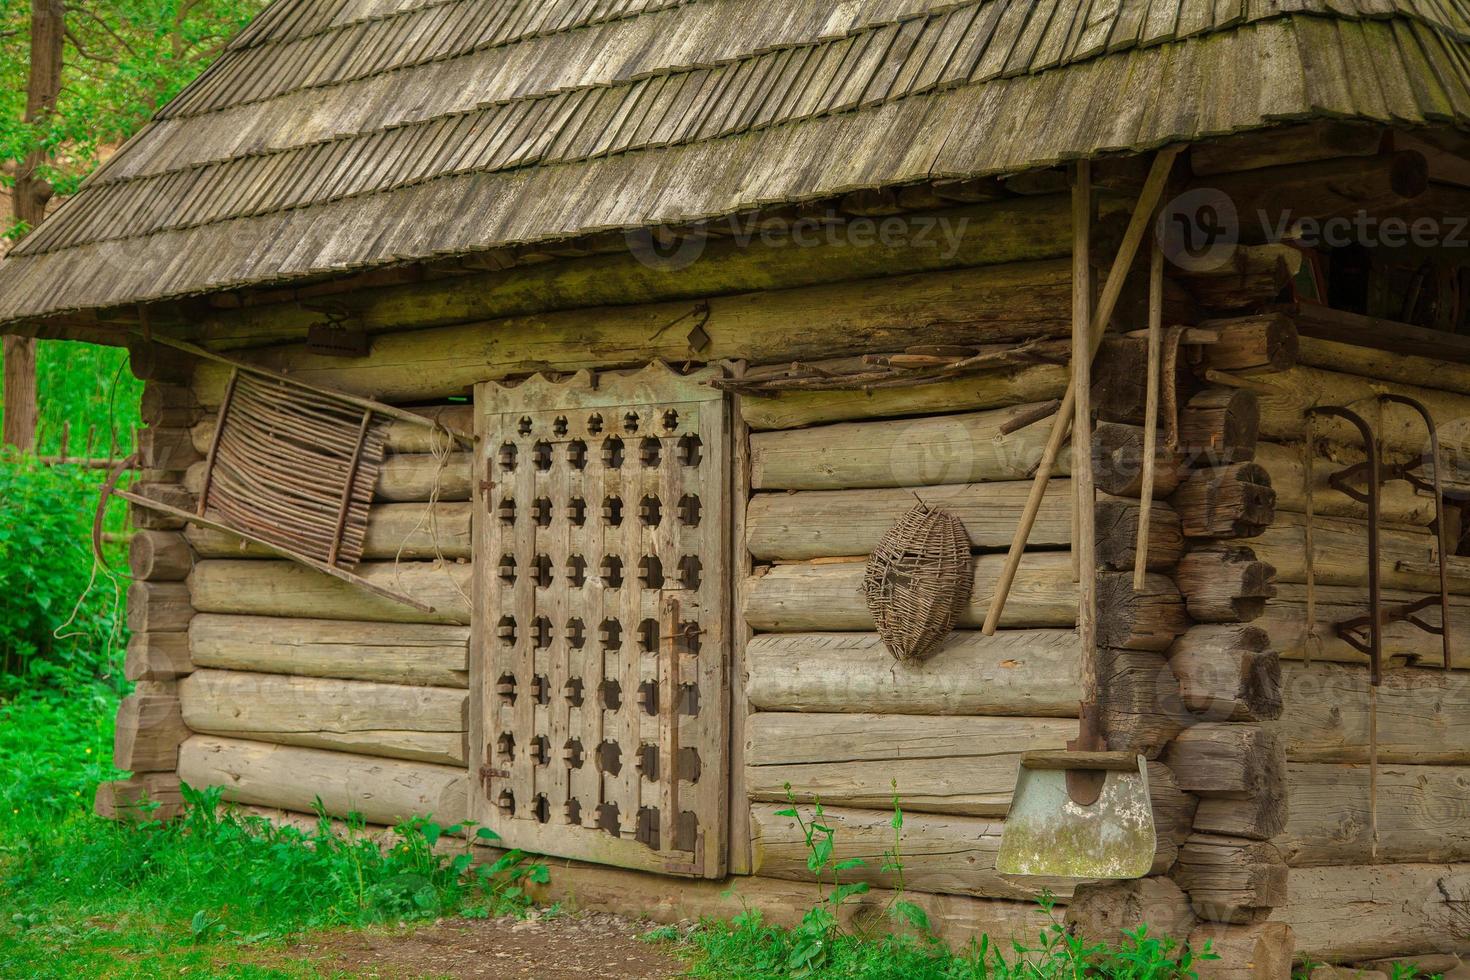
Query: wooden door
[[601, 629]]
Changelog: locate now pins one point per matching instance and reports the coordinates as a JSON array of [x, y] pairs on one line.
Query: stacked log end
[[150, 726]]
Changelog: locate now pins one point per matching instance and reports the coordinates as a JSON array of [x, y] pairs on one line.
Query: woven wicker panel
[[918, 580], [294, 468]]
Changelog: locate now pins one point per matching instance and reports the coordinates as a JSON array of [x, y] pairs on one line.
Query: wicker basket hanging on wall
[[918, 581]]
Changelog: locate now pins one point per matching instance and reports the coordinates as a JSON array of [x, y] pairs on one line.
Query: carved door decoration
[[601, 620]]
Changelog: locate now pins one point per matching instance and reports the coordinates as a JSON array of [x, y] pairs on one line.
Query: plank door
[[601, 627]]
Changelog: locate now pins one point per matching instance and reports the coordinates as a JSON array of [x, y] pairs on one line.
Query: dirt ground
[[562, 947]]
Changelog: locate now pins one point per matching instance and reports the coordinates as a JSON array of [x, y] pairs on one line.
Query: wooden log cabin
[[719, 296]]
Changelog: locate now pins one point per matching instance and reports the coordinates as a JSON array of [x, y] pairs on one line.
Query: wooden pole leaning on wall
[[1085, 499], [1143, 213], [1151, 406]]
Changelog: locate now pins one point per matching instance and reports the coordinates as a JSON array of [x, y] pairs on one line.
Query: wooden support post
[[1138, 225]]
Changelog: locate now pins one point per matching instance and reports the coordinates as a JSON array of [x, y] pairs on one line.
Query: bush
[[46, 568]]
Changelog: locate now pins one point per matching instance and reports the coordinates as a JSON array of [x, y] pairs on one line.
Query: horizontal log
[[826, 596], [428, 724], [961, 766], [1340, 550], [1274, 196], [1286, 467], [157, 657], [1140, 701], [1224, 583], [163, 448], [396, 653], [1232, 501], [172, 494], [1260, 951], [386, 791], [1423, 715], [1442, 373], [1102, 911], [1294, 637], [1015, 672], [1219, 426], [1012, 302], [1117, 465], [941, 764], [1361, 912], [1423, 815], [283, 588], [830, 523], [957, 920], [1215, 759], [400, 436], [1227, 672], [819, 596], [1261, 343], [169, 405], [405, 532], [985, 390], [950, 855], [1279, 145], [408, 477], [148, 733], [1231, 879], [1138, 619], [1285, 397], [159, 556], [1008, 230], [145, 797], [958, 449], [159, 607]]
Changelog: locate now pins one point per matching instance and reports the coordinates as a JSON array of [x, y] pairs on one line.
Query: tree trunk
[[28, 206]]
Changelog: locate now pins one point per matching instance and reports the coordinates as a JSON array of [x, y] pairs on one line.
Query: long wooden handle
[[1086, 544], [1143, 212], [1151, 410]]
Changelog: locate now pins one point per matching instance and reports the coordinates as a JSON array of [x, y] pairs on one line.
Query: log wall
[[283, 686]]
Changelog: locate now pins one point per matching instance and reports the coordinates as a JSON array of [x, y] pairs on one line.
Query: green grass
[[214, 892]]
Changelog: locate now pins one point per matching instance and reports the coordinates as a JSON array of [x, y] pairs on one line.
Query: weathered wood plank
[[283, 588], [949, 855], [832, 523], [396, 721], [1358, 912], [1017, 301], [1423, 715], [971, 447], [1015, 672], [405, 532], [940, 764], [391, 653], [386, 791], [1423, 815]]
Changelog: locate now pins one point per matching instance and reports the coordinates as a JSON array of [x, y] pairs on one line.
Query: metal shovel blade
[[1046, 833]]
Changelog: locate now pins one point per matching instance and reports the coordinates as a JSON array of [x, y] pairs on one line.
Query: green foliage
[[123, 60], [46, 567], [820, 946], [88, 389], [55, 615], [83, 894]]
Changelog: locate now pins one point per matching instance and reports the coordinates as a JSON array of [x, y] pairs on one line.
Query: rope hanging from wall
[[292, 466], [918, 581]]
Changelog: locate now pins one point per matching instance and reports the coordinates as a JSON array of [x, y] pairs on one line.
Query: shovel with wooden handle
[[1084, 812]]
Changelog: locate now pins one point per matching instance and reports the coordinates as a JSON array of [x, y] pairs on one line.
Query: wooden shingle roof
[[337, 135]]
